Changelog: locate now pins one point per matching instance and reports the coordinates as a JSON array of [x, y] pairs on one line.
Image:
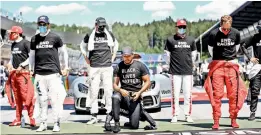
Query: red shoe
[[32, 122], [234, 123], [215, 125], [15, 123]]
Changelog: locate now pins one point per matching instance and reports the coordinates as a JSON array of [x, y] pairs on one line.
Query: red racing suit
[[23, 91], [221, 73]]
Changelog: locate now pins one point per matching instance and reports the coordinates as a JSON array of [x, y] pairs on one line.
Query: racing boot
[[117, 128], [234, 123], [15, 123], [252, 116], [32, 122], [107, 124], [215, 125]]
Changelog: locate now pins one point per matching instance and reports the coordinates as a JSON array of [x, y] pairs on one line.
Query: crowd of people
[[124, 85]]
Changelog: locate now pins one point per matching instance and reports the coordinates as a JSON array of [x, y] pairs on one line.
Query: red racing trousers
[[23, 92], [225, 76]]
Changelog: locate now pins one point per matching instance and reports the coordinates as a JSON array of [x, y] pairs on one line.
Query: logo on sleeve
[[182, 45], [16, 51], [226, 42], [44, 44]]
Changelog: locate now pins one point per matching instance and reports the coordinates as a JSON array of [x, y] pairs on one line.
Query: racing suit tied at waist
[[241, 88]]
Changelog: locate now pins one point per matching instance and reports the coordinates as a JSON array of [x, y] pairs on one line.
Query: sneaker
[[56, 127], [92, 121], [252, 116], [174, 119], [117, 128], [150, 127], [42, 127], [32, 122], [107, 126], [189, 119], [15, 123], [127, 124]]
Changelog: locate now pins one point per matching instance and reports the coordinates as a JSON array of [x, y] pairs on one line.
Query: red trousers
[[23, 92], [225, 76]]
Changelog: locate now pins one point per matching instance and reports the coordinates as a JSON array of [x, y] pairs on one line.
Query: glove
[[86, 38]]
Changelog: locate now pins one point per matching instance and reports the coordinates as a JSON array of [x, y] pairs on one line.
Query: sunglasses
[[182, 27]]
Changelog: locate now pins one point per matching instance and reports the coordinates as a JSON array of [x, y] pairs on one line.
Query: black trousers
[[134, 108], [255, 85]]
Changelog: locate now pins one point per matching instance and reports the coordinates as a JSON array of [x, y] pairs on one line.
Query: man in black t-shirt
[[223, 45], [130, 74], [44, 60], [255, 82], [99, 49], [22, 89], [181, 52]]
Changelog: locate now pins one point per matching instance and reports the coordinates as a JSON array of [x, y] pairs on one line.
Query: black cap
[[100, 21], [43, 18], [127, 50]]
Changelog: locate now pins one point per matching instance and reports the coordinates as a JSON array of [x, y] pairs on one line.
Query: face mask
[[100, 29], [13, 36], [181, 31], [225, 31], [43, 29]]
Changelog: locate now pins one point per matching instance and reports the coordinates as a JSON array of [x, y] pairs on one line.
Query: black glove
[[86, 38]]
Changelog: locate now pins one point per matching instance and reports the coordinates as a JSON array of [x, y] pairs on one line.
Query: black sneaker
[[252, 116], [149, 127], [107, 126], [117, 128], [127, 124]]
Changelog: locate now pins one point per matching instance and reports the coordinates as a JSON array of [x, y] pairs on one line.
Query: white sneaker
[[92, 121], [42, 127], [174, 119], [189, 119], [56, 127]]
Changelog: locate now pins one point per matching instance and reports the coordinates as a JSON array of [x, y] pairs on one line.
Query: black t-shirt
[[256, 43], [224, 46], [20, 52], [101, 55], [46, 53], [180, 54], [131, 75]]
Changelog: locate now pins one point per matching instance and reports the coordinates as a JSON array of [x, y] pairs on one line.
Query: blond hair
[[226, 18]]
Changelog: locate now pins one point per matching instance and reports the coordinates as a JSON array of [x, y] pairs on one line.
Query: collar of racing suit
[[47, 32]]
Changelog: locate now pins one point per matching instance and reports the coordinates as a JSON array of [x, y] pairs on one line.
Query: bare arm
[[63, 51], [116, 84], [146, 80]]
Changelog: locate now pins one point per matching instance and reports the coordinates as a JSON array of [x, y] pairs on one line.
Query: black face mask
[[101, 29]]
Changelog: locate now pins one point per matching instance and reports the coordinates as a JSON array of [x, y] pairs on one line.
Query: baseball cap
[[43, 18], [127, 51], [16, 29], [100, 21], [181, 22]]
